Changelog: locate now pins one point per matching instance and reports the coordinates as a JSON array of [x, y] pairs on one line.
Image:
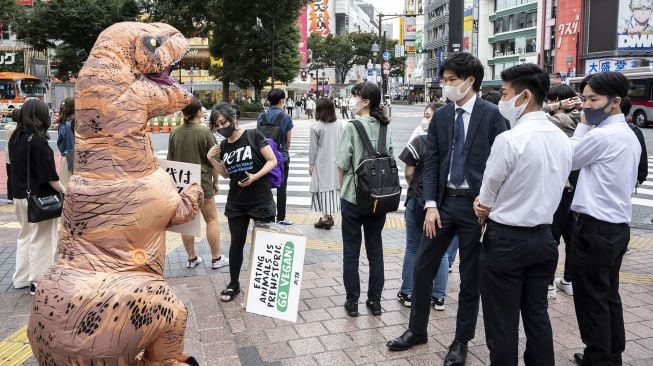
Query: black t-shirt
[[239, 157], [42, 168], [413, 155]]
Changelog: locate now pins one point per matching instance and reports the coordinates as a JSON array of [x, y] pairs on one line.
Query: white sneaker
[[565, 286], [193, 263], [552, 292], [219, 263]]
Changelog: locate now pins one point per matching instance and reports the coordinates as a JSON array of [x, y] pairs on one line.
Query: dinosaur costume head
[[105, 301]]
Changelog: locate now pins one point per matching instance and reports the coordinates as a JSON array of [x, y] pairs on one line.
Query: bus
[[16, 89], [640, 92]]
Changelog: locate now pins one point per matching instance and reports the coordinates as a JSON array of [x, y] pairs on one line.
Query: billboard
[[468, 25], [321, 19], [635, 27], [13, 61], [302, 24], [410, 28], [411, 7]]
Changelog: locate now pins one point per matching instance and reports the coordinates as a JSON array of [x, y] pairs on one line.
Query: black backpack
[[376, 177], [272, 130]]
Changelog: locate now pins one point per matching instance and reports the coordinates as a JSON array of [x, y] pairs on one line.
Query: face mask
[[226, 131], [509, 111], [453, 93], [353, 105], [598, 115], [425, 124]]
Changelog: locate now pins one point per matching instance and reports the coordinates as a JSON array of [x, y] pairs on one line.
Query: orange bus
[[16, 89]]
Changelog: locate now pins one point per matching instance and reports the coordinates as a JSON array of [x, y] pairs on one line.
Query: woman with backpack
[[324, 137], [365, 103], [245, 157]]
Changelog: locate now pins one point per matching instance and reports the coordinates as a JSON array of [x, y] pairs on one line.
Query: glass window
[[637, 89], [531, 44], [31, 88], [520, 45], [7, 90]]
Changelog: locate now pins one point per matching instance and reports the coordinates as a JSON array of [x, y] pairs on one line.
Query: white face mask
[[425, 124], [353, 105], [454, 93], [509, 111]]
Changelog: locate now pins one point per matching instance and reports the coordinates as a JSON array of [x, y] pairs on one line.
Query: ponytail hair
[[371, 92], [191, 109]]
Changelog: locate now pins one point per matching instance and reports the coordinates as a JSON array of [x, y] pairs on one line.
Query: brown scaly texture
[[105, 301]]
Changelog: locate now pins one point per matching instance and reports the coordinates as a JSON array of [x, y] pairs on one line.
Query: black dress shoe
[[406, 341], [456, 355], [351, 307], [578, 358]]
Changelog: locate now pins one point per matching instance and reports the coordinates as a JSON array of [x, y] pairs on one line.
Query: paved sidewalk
[[224, 334]]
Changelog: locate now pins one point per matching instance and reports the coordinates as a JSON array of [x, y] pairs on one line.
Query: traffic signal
[[303, 75]]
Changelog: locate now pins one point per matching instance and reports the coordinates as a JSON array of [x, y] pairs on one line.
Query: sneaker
[[32, 289], [220, 262], [374, 306], [10, 202], [564, 286], [192, 263], [404, 299], [351, 307], [552, 292], [438, 303], [284, 222]]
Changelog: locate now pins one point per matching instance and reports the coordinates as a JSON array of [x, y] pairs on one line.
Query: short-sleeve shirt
[[285, 126], [189, 143], [350, 150], [239, 157], [413, 155], [42, 168]]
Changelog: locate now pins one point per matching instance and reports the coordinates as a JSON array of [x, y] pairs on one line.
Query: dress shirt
[[526, 172], [468, 107], [607, 157]]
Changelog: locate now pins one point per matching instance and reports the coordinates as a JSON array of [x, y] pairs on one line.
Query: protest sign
[[183, 175]]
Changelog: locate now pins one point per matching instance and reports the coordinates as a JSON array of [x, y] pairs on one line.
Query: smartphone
[[244, 180]]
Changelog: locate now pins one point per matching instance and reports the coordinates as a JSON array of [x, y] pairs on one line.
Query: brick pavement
[[224, 334]]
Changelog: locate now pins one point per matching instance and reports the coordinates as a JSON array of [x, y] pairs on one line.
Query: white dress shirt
[[526, 172], [467, 107], [607, 157]]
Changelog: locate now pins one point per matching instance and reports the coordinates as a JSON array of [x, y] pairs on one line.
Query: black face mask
[[226, 132]]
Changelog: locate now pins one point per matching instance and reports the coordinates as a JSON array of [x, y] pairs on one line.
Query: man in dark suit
[[459, 140]]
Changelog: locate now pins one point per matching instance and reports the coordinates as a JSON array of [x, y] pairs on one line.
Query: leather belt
[[455, 192]]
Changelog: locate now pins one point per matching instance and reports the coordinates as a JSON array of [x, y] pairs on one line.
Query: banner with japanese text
[[302, 24], [183, 175], [595, 65], [275, 273], [321, 17]]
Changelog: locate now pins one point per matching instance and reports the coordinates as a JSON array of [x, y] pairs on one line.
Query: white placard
[[276, 269], [183, 175]]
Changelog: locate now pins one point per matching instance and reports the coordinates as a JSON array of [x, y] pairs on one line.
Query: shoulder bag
[[41, 208]]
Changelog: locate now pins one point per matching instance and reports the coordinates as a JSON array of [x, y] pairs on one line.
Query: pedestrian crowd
[[496, 180]]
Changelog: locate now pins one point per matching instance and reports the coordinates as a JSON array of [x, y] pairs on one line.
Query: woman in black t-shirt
[[249, 196], [36, 243]]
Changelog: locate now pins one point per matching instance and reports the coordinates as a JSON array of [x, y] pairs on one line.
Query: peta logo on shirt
[[239, 160]]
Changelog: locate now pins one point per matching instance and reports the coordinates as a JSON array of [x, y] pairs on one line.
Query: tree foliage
[[191, 17]]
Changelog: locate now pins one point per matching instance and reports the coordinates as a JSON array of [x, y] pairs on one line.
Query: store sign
[[411, 7], [302, 24], [613, 64], [320, 17], [635, 29], [567, 29], [410, 30], [12, 61]]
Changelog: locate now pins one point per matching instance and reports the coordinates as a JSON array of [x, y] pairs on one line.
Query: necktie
[[457, 163]]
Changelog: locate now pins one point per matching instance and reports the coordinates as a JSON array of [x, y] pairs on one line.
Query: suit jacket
[[485, 124]]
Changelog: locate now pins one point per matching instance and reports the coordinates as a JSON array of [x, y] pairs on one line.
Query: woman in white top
[[324, 137]]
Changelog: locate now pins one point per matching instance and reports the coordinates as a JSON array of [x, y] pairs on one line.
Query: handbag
[[41, 208]]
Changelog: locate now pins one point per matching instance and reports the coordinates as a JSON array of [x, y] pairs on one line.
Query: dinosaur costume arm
[[191, 201]]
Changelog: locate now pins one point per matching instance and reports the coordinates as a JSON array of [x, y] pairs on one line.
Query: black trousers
[[238, 226], [457, 216], [282, 192], [563, 222], [516, 265], [372, 227], [10, 195], [597, 253]]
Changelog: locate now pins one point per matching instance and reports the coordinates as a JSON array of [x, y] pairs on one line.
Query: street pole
[[380, 56], [384, 77], [273, 53]]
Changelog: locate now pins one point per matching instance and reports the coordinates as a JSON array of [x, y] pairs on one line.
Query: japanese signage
[[635, 28], [320, 17], [468, 25], [275, 278], [568, 28], [612, 64], [410, 28], [411, 6], [13, 61], [183, 175], [303, 36]]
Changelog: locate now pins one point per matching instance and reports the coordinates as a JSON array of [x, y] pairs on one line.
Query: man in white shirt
[[607, 153], [522, 186]]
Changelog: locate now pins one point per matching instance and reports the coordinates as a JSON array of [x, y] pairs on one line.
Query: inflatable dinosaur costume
[[105, 301]]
